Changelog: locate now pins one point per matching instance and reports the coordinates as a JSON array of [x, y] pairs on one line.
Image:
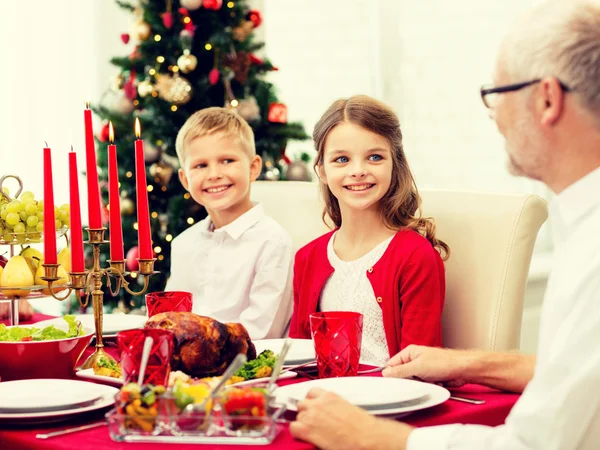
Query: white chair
[[491, 238]]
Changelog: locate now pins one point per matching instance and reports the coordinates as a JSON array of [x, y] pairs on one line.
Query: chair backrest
[[491, 238]]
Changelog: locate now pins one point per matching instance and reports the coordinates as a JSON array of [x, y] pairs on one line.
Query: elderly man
[[546, 103]]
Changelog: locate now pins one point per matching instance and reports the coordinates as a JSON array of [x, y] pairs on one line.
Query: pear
[[60, 273], [34, 258], [64, 258], [16, 273]]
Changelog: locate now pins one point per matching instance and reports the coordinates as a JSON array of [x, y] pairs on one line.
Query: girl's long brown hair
[[400, 206]]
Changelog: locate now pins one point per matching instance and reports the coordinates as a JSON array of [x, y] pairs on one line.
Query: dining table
[[492, 412]]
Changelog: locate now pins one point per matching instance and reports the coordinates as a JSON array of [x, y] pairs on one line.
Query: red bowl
[[42, 359]]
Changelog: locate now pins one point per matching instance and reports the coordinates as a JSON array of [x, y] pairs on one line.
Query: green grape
[[66, 207], [31, 230], [23, 215], [40, 215], [26, 195], [40, 205], [19, 228], [12, 218], [63, 216], [3, 214], [13, 207], [40, 227], [31, 209], [56, 211], [57, 223], [32, 221], [6, 190]]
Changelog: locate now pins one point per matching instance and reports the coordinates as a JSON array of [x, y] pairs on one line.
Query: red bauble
[[131, 261], [183, 11], [255, 59], [255, 17], [167, 20], [213, 77], [215, 5], [277, 113], [103, 135], [125, 38]]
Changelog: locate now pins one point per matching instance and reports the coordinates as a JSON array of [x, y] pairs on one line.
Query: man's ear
[[183, 179], [255, 167], [550, 103]]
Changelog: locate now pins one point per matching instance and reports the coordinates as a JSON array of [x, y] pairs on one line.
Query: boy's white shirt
[[241, 272]]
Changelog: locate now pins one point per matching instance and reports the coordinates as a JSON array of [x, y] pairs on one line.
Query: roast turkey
[[203, 347]]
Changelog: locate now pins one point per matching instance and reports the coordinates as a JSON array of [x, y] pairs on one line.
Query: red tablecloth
[[493, 412]]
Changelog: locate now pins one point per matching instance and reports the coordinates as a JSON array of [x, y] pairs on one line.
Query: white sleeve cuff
[[431, 438]]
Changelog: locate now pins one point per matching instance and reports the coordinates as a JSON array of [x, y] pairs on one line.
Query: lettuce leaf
[[17, 334], [248, 370]]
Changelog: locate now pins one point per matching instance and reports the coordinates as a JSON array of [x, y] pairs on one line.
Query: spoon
[[275, 374], [145, 355]]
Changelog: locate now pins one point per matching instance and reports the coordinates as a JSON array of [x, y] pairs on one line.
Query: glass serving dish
[[28, 292], [8, 238], [210, 422]]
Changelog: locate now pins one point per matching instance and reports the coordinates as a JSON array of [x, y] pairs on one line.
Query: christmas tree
[[188, 55]]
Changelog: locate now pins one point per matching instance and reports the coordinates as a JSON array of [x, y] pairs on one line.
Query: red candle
[[94, 205], [114, 201], [49, 219], [77, 264], [143, 213]]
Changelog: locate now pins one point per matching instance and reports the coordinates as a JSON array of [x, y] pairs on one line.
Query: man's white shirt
[[560, 408], [241, 272]]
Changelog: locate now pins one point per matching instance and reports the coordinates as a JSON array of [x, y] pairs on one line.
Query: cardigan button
[[370, 270], [379, 299]]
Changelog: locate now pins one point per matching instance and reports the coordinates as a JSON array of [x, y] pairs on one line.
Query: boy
[[237, 262]]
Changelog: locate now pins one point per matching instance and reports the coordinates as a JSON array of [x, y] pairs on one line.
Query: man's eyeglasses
[[489, 93]]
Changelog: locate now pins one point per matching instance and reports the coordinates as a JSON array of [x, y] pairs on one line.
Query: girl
[[382, 259]]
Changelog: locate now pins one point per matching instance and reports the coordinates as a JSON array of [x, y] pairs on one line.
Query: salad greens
[[248, 370], [20, 334]]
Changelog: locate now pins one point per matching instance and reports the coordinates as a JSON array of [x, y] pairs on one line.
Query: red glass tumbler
[[168, 301], [337, 336], [131, 344]]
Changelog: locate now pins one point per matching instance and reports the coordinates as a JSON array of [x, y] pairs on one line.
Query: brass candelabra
[[91, 281]]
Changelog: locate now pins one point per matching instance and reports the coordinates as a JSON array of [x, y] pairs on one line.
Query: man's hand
[[434, 365], [505, 371], [329, 422], [25, 310]]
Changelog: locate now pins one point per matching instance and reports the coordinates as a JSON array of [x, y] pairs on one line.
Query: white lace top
[[349, 289]]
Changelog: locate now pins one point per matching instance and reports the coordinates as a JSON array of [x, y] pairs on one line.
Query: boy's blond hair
[[214, 120]]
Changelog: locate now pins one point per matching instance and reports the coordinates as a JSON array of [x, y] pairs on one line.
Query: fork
[[374, 370]]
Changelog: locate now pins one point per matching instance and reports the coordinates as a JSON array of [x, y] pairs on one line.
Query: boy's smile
[[217, 173]]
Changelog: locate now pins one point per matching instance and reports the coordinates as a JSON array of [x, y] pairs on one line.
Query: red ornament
[[129, 88], [131, 261], [104, 215], [167, 19], [213, 76], [190, 28], [103, 135], [255, 59], [215, 5], [183, 11], [277, 113], [125, 38], [255, 17]]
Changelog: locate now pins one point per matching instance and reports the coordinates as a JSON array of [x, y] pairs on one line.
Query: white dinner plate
[[301, 351], [45, 395], [89, 374], [105, 395], [366, 392], [111, 323]]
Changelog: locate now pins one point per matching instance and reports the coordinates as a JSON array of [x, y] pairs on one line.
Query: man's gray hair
[[559, 38]]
